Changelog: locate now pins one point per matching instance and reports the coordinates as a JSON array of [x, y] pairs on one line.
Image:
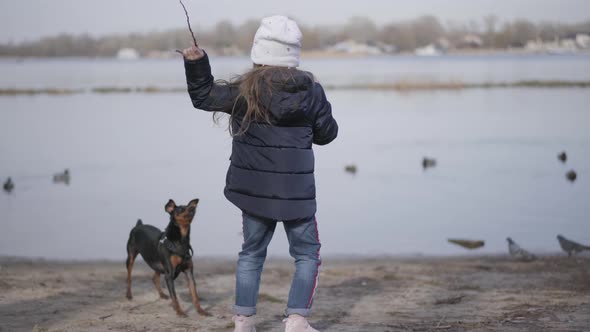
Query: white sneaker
[[244, 323], [296, 323]]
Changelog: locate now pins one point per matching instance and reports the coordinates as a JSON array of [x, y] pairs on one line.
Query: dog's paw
[[181, 313], [164, 296], [204, 313], [129, 296]]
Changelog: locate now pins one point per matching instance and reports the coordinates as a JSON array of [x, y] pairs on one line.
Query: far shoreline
[[327, 54]]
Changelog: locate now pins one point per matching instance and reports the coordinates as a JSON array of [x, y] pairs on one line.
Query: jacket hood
[[289, 95]]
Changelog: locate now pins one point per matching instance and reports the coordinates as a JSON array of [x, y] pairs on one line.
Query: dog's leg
[[130, 260], [170, 283], [190, 279], [171, 265], [156, 280]]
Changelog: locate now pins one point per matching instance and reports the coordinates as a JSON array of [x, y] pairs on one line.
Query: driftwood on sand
[[468, 244]]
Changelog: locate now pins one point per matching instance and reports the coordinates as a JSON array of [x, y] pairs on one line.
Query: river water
[[497, 173]]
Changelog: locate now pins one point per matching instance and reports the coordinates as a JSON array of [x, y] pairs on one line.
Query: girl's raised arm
[[205, 94]]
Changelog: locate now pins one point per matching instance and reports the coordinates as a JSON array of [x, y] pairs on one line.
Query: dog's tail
[[139, 223]]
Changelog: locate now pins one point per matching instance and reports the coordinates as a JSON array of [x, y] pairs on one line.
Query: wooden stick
[[188, 21]]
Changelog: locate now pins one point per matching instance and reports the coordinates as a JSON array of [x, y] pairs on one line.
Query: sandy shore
[[385, 294]]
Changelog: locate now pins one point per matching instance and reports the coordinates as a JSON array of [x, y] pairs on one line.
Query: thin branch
[[105, 317], [440, 321], [188, 21]]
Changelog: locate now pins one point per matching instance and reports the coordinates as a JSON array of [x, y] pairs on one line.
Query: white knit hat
[[277, 42]]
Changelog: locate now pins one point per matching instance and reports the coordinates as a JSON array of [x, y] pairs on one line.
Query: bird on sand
[[562, 157], [519, 253], [8, 185], [571, 247]]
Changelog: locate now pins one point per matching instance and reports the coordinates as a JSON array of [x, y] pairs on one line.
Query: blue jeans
[[304, 247]]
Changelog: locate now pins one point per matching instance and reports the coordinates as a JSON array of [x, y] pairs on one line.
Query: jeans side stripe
[[317, 274]]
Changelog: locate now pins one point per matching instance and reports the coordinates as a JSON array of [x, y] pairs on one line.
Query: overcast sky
[[31, 19]]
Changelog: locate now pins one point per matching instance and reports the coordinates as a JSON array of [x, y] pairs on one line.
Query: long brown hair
[[252, 86]]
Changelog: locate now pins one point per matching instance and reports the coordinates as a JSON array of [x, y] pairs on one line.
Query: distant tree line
[[405, 35]]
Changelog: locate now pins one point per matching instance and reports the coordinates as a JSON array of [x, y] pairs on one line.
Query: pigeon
[[8, 185], [518, 253], [428, 162], [350, 169], [468, 244], [62, 177], [571, 175], [571, 247], [562, 157]]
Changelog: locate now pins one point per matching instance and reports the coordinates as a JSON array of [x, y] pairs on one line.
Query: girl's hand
[[193, 53]]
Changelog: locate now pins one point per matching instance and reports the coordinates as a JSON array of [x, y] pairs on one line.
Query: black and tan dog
[[167, 252]]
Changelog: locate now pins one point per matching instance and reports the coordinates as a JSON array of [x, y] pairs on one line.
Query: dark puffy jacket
[[272, 165]]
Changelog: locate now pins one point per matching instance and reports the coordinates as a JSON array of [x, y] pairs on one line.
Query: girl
[[276, 113]]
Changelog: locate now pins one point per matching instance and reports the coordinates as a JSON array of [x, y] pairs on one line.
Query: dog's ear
[[193, 203], [170, 206]]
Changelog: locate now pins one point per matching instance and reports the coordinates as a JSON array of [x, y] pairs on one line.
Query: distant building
[[583, 41], [443, 44], [565, 46], [470, 41], [535, 46], [354, 47], [385, 48], [556, 47], [429, 50], [127, 54]]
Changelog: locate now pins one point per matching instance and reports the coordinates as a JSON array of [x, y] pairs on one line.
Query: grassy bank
[[404, 86]]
